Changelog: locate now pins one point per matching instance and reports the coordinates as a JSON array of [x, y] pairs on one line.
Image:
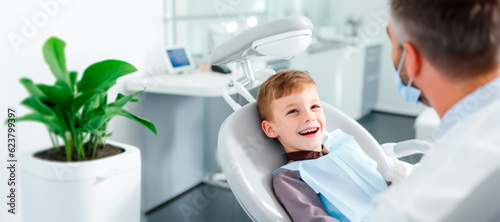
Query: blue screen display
[[178, 57]]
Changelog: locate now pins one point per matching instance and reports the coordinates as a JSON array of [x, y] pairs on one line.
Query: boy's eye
[[315, 107], [291, 111]]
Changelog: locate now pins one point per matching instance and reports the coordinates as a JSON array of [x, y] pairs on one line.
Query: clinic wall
[[374, 16], [93, 31]]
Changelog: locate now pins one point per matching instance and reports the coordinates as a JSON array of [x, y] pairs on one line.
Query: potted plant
[[82, 177]]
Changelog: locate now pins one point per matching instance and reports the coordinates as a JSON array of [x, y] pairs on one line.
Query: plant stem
[[94, 149], [91, 144], [57, 142], [68, 144], [79, 145], [55, 145]]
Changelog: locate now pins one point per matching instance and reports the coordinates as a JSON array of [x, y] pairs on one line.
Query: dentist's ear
[[268, 129], [413, 60]]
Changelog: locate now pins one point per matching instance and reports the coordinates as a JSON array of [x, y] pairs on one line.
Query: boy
[[314, 186]]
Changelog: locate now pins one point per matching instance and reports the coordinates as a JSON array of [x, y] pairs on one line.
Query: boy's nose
[[309, 117]]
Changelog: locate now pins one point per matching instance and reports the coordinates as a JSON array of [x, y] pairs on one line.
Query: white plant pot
[[107, 189]]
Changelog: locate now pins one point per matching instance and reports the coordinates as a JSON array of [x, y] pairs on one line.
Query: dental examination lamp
[[282, 38]]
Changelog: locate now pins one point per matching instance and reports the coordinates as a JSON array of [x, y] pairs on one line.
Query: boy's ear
[[268, 129]]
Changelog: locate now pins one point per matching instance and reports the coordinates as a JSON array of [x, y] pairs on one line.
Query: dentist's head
[[444, 49]]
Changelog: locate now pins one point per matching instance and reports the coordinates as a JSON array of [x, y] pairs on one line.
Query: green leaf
[[95, 123], [58, 94], [52, 122], [122, 100], [53, 53], [37, 105], [72, 80], [88, 127], [96, 118], [64, 86], [96, 113], [106, 87], [31, 87], [99, 75], [113, 111], [82, 99], [119, 96], [103, 100]]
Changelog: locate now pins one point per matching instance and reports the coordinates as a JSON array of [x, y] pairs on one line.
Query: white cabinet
[[182, 108]]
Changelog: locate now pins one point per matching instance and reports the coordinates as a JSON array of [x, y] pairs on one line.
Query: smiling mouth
[[309, 131]]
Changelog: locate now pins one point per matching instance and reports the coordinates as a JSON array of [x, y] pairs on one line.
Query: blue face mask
[[409, 93]]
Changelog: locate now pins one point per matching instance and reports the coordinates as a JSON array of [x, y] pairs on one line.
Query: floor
[[387, 128], [203, 203], [206, 203]]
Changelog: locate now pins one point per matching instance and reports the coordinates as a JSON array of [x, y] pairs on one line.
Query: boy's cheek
[[279, 124]]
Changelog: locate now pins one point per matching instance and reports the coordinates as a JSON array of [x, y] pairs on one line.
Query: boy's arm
[[299, 200]]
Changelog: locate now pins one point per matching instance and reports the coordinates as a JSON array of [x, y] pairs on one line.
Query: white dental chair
[[248, 158]]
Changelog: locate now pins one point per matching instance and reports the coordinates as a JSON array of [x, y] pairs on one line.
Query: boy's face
[[298, 121]]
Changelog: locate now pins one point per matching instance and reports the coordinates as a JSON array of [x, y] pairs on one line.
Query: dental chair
[[247, 156]]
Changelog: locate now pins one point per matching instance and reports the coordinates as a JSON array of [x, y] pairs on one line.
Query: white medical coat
[[445, 186]]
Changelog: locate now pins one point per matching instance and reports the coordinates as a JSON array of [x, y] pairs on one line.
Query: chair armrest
[[410, 147], [400, 169]]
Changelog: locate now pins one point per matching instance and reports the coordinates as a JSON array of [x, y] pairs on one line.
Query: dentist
[[446, 54]]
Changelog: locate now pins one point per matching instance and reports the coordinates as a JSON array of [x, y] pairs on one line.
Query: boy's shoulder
[[284, 178], [284, 174], [289, 172]]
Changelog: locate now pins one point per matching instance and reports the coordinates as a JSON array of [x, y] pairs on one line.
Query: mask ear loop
[[409, 83], [401, 61]]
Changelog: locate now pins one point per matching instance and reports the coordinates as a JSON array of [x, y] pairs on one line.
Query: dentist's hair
[[461, 38], [281, 84]]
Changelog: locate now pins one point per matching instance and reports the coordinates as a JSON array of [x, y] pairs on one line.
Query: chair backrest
[[248, 158]]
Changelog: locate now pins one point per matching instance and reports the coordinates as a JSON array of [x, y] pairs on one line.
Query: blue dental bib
[[346, 179]]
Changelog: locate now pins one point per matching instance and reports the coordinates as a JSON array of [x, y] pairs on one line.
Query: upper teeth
[[308, 131]]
